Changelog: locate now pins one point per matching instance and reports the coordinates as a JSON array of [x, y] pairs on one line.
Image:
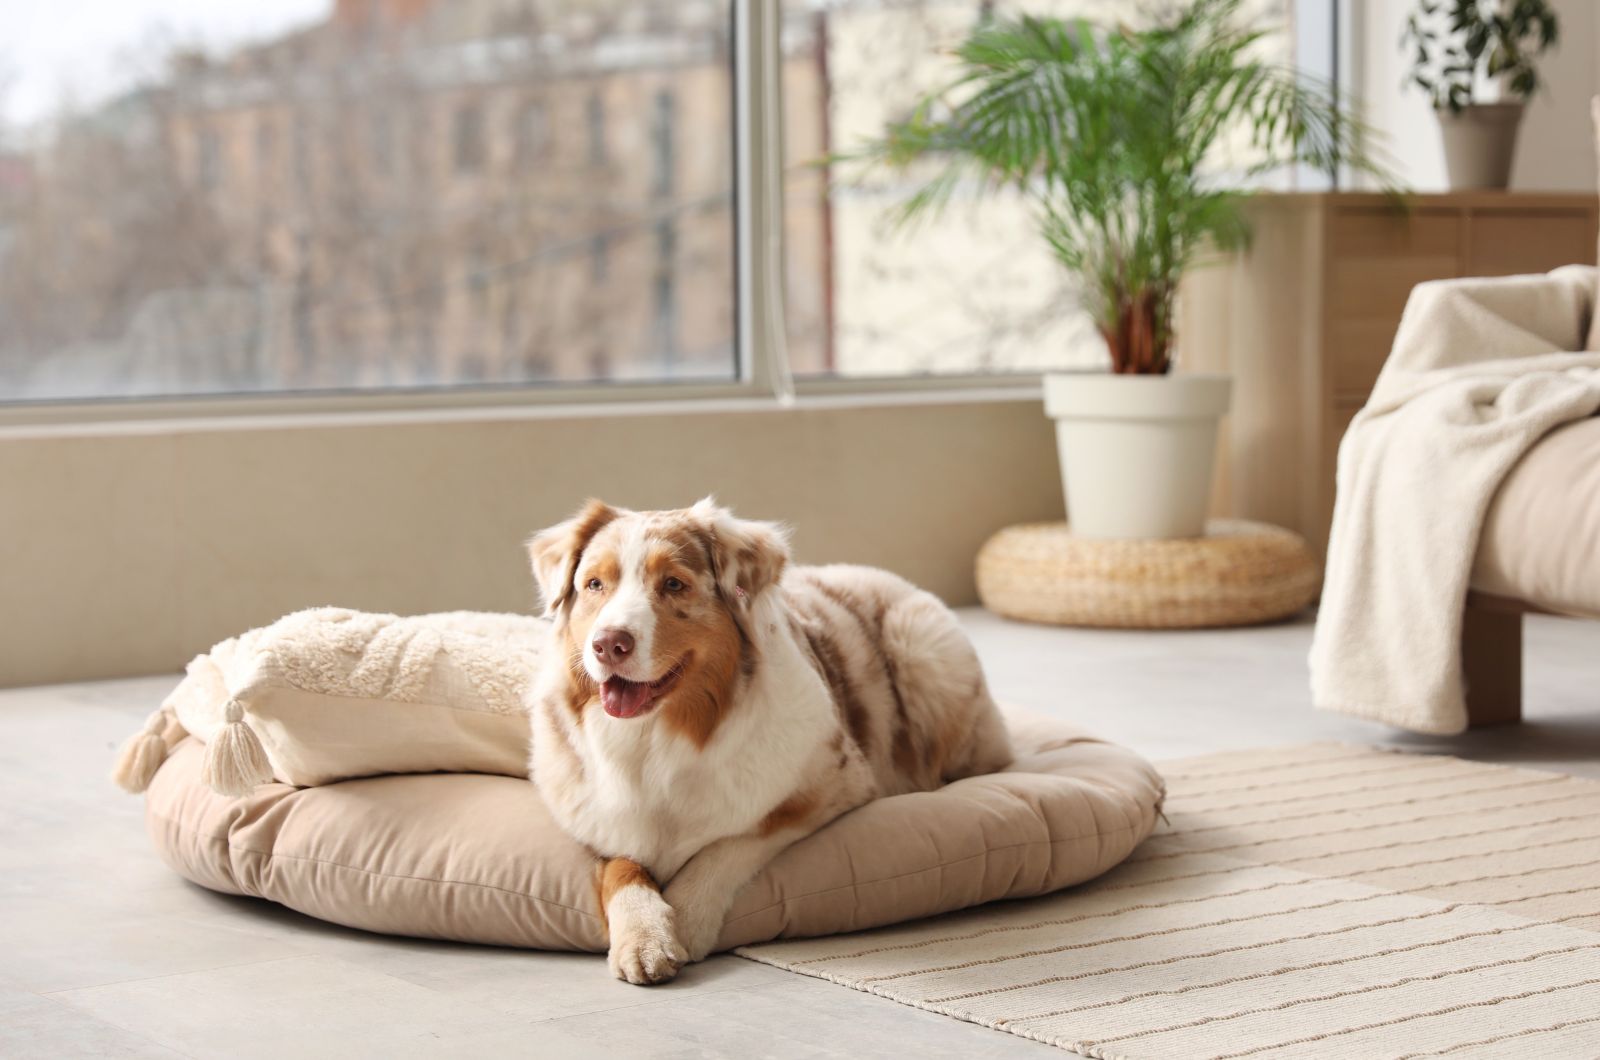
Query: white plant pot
[[1480, 144], [1137, 450]]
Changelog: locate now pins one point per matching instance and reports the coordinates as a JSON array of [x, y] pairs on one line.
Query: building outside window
[[467, 136], [662, 155], [380, 129], [594, 112], [665, 323], [532, 132], [315, 233], [208, 164], [266, 144]]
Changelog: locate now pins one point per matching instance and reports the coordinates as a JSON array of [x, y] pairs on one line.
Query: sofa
[[1538, 553]]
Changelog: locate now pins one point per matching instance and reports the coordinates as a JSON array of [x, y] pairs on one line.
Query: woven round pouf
[[1238, 574]]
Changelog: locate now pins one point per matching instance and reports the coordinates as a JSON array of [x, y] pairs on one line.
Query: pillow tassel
[[141, 755], [235, 760]]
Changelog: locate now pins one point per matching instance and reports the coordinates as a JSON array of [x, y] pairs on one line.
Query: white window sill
[[281, 412]]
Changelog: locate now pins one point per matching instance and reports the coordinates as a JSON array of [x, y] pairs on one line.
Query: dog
[[703, 705]]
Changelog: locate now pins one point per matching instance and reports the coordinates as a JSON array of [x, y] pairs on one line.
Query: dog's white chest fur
[[649, 793]]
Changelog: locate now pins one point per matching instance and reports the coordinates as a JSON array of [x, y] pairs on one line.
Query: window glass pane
[[317, 194], [972, 290]]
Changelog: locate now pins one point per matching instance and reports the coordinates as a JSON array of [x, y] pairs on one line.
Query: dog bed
[[477, 858]]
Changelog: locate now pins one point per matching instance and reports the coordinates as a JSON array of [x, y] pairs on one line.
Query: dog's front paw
[[646, 955], [699, 928]]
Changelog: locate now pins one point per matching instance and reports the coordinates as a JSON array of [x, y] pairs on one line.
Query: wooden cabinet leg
[[1491, 665]]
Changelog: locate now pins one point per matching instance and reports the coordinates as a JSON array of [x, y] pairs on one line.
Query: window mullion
[[763, 355]]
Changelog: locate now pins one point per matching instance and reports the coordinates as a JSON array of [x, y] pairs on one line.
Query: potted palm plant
[[1112, 134], [1464, 48]]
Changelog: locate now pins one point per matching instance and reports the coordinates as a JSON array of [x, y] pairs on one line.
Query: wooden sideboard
[[1306, 317]]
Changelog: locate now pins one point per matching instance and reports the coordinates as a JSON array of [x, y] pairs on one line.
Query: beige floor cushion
[[477, 858], [1541, 537]]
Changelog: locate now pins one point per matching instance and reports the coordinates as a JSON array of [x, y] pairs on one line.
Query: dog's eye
[[673, 585], [594, 585]]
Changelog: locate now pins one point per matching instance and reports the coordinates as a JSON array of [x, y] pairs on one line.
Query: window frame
[[762, 378]]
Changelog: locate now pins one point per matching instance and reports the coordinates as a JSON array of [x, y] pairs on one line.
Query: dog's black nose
[[613, 644]]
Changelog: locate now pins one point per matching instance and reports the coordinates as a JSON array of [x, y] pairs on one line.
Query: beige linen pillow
[[328, 694]]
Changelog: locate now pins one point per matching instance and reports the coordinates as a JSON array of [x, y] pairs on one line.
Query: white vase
[[1137, 450], [1479, 144]]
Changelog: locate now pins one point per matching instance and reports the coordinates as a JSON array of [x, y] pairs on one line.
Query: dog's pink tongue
[[624, 699]]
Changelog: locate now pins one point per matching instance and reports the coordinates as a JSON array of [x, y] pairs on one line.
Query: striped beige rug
[[1318, 901]]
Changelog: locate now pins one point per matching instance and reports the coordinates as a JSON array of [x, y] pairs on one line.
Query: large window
[[972, 291], [337, 194], [301, 196]]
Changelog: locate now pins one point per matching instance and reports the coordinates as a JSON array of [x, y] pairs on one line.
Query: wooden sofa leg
[[1491, 665]]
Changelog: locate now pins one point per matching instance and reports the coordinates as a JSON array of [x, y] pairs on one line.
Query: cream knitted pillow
[[329, 694]]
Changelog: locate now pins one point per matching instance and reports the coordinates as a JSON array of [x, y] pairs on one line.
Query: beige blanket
[[1478, 374]]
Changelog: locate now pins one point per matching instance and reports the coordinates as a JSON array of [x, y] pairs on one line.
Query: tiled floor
[[105, 952]]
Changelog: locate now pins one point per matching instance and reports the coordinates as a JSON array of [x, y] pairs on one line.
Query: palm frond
[[1110, 132]]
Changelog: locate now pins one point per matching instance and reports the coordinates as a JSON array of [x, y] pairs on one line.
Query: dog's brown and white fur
[[704, 705]]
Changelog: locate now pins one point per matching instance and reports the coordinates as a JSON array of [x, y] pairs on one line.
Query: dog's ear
[[555, 552], [746, 556]]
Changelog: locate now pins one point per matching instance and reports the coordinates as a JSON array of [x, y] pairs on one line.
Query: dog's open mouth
[[622, 698]]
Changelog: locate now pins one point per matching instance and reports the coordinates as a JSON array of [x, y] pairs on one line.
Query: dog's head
[[653, 605]]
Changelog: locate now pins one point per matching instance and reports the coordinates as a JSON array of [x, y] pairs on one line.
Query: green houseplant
[[1112, 135], [1463, 48]]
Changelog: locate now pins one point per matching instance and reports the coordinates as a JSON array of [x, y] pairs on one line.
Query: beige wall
[[127, 549]]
